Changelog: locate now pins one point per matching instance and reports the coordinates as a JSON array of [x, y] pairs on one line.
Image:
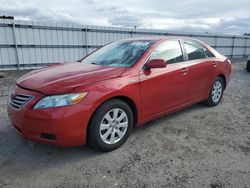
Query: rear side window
[[194, 50], [208, 53], [170, 51]]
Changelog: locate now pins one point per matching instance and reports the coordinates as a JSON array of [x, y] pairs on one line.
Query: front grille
[[20, 100]]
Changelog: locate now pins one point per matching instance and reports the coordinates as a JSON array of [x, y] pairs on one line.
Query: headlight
[[60, 100]]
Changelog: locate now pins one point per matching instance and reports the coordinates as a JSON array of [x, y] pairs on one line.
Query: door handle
[[214, 63], [184, 70]]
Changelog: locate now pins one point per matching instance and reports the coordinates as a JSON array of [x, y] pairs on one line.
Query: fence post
[[15, 44], [232, 52], [132, 34], [216, 41], [86, 40], [245, 52]]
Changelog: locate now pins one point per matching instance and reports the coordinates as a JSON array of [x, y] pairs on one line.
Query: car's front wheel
[[111, 125], [216, 92]]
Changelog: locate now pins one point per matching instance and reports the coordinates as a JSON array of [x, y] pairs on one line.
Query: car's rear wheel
[[216, 92], [111, 125]]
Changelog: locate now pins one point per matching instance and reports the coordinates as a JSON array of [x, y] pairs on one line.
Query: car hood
[[65, 77]]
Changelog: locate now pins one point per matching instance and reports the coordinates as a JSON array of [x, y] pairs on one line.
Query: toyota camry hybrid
[[100, 98]]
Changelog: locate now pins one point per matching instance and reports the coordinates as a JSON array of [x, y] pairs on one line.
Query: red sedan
[[99, 99]]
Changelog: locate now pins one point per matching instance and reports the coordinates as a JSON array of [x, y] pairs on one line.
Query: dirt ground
[[195, 147]]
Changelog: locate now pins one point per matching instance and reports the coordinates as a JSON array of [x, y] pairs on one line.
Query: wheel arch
[[222, 76], [131, 104], [127, 100]]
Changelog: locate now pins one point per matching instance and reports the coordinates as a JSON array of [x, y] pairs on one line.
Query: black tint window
[[194, 50], [170, 51], [208, 53]]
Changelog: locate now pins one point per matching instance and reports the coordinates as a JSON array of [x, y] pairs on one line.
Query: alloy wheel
[[113, 126], [217, 91]]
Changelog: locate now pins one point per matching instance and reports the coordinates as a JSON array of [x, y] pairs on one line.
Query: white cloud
[[210, 16]]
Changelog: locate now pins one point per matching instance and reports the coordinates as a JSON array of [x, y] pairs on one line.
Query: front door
[[163, 89]]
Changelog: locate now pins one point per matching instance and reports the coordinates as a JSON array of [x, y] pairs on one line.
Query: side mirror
[[156, 63]]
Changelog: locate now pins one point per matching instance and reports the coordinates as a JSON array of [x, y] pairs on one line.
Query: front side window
[[119, 54], [170, 51], [194, 50]]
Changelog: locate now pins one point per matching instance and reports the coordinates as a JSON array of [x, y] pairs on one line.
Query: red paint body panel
[[65, 77], [66, 123], [165, 88], [154, 93], [200, 74]]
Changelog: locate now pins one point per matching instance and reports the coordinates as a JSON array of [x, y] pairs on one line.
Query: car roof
[[159, 38]]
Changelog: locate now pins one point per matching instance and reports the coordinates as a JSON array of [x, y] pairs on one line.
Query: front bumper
[[61, 126]]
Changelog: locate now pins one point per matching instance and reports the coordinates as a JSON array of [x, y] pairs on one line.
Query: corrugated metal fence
[[31, 44]]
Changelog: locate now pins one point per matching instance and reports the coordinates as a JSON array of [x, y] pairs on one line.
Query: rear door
[[201, 69], [163, 89]]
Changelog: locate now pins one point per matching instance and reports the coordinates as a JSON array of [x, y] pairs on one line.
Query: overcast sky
[[228, 16]]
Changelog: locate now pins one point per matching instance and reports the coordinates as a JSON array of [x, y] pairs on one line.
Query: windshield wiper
[[94, 63]]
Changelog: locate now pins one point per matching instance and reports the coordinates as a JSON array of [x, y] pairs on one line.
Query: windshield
[[119, 54]]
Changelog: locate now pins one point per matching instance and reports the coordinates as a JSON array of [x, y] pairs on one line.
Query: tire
[[216, 92], [107, 133], [248, 66]]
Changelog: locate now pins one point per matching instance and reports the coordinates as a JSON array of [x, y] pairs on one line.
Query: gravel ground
[[195, 147]]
